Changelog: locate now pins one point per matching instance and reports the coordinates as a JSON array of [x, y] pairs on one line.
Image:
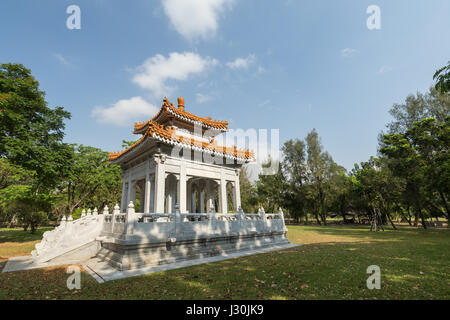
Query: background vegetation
[[42, 177]]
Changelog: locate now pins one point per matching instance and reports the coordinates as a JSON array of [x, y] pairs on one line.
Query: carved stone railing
[[156, 227], [69, 235]]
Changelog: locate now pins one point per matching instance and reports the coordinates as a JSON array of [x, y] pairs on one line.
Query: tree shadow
[[19, 235]]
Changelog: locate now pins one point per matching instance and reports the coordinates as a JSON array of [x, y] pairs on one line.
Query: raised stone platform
[[102, 271], [119, 245]]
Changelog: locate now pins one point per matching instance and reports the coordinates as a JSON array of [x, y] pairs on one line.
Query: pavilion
[[177, 161]]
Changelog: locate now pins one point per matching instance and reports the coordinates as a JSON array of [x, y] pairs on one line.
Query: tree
[[431, 141], [406, 163], [379, 188], [91, 181], [418, 107], [295, 171], [249, 199], [271, 188], [31, 133], [321, 169], [442, 78]]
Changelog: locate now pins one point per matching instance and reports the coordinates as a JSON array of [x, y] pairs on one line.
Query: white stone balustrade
[[69, 235], [152, 227]]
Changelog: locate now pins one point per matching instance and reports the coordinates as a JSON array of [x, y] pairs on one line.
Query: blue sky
[[289, 65]]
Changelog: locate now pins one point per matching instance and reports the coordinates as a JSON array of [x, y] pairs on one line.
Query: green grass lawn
[[16, 242], [332, 263]]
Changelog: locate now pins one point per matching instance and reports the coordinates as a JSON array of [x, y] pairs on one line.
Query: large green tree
[[91, 181], [31, 133]]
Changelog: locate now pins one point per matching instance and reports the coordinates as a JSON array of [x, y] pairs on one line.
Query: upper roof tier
[[168, 113], [166, 125]]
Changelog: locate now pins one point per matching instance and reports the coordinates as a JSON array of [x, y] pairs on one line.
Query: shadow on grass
[[413, 262], [316, 271], [364, 233], [19, 235]]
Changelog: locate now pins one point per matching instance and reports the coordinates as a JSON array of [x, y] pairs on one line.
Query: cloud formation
[[61, 59], [125, 111], [202, 98], [348, 52], [154, 74], [242, 63], [384, 69], [195, 18]]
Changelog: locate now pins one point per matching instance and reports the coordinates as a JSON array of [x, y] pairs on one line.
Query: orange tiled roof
[[160, 132], [168, 108]]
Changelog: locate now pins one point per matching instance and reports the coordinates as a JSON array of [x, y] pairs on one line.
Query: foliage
[[249, 200], [442, 77], [31, 133]]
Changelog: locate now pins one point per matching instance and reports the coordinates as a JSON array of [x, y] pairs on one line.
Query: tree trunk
[[390, 220], [317, 218], [444, 202], [419, 212]]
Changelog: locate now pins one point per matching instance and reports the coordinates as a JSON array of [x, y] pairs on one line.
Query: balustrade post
[[116, 211], [62, 223], [263, 218], [95, 211], [130, 219], [69, 225], [89, 213], [177, 220], [83, 213], [281, 213]]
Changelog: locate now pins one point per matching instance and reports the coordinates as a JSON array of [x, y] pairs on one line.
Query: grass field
[[331, 264]]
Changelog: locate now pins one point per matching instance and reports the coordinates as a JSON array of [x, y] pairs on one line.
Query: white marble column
[[189, 197], [182, 200], [223, 194], [209, 195], [148, 187], [152, 194], [160, 181], [131, 191], [124, 204], [193, 200], [237, 192], [202, 201]]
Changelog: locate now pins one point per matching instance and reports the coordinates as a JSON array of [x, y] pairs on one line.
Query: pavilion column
[[182, 200], [202, 201], [223, 194], [169, 197], [189, 196], [160, 182], [210, 196], [193, 200], [148, 187], [237, 192], [152, 193], [131, 194], [124, 196]]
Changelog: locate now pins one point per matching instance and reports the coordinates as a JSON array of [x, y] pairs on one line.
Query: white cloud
[[156, 71], [348, 52], [384, 69], [202, 98], [125, 111], [242, 63], [195, 18], [61, 59]]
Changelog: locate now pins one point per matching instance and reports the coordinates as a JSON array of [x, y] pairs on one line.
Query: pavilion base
[[102, 271], [127, 255]]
